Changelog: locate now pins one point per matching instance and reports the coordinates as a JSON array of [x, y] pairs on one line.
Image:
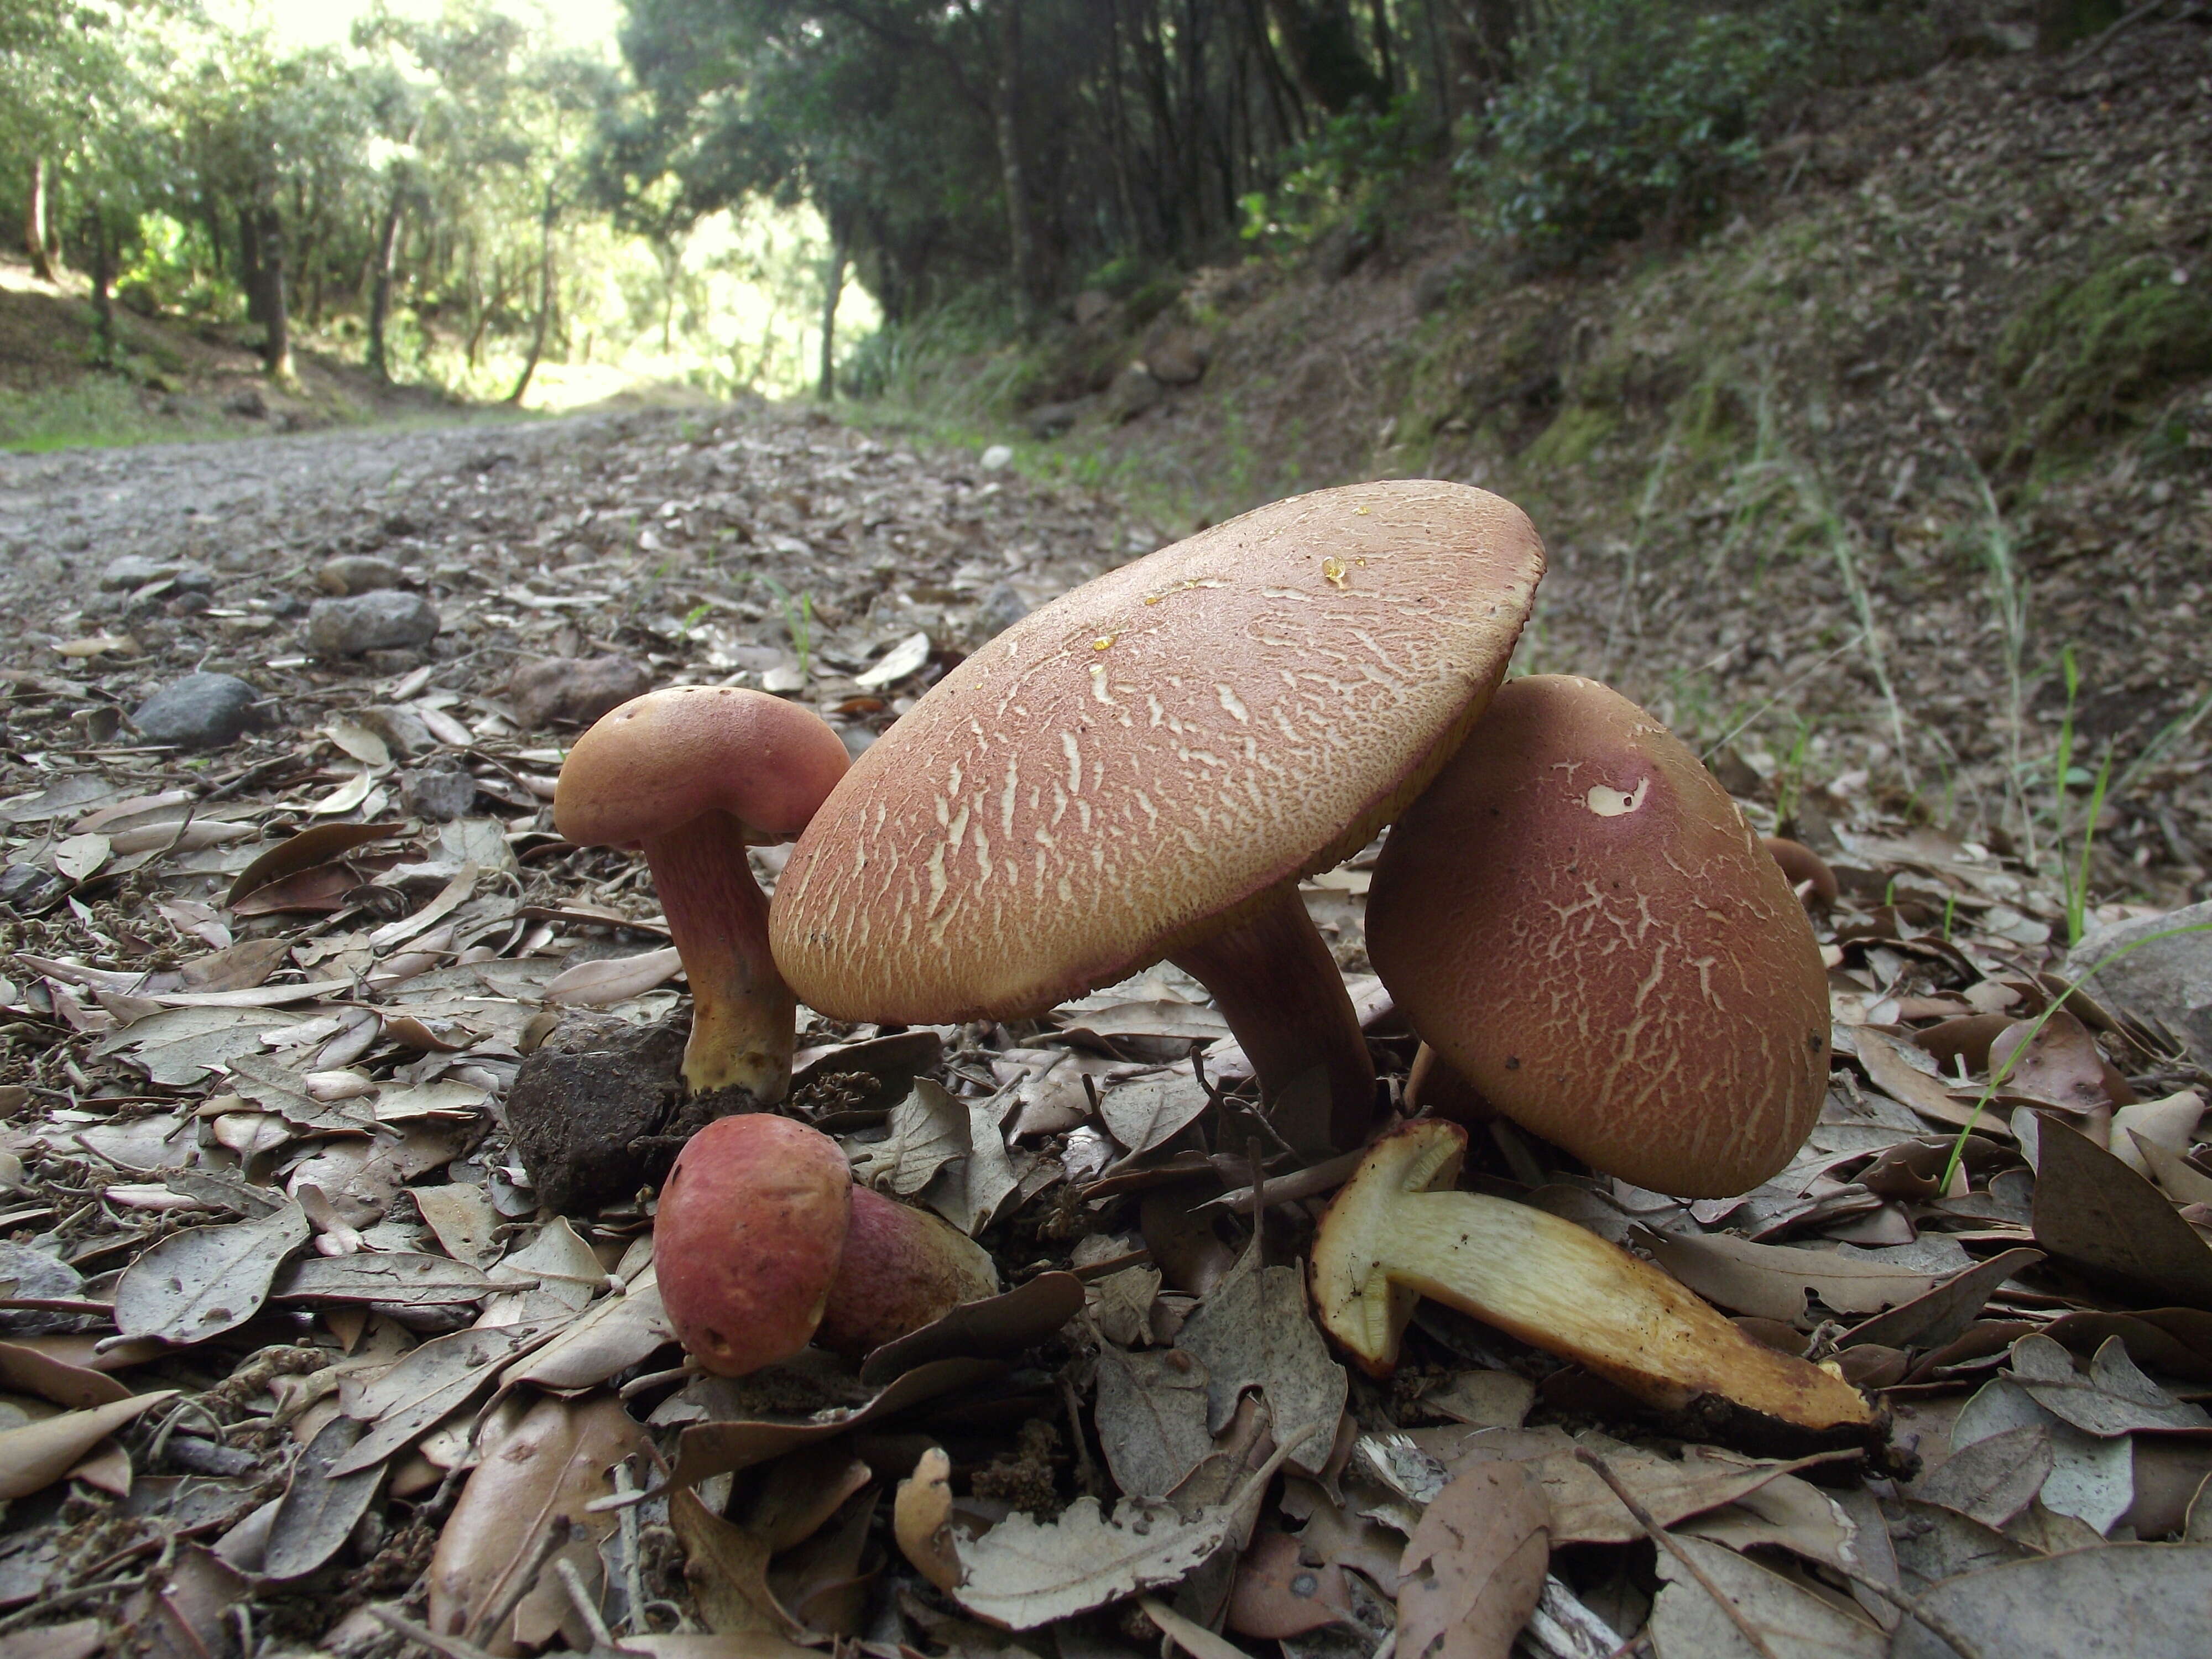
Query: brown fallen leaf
[[1279, 1595], [704, 1450], [2097, 1214], [27, 1369], [544, 1474], [1992, 1480], [2059, 1065], [1474, 1570], [727, 1567], [36, 1454], [1771, 1281]]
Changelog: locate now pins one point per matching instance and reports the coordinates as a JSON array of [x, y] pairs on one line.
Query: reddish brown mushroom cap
[[903, 1268], [1578, 918], [1108, 776], [660, 760], [747, 1239]]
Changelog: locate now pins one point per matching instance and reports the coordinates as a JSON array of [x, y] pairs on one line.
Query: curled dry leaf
[[2122, 1600], [202, 1281], [2114, 1398], [2097, 1214], [1475, 1568], [922, 1519], [1151, 1417], [1277, 1595], [2058, 1065], [1005, 1324], [727, 1567], [603, 983], [1255, 1331], [426, 1383], [1771, 1281], [319, 1512], [36, 1454]]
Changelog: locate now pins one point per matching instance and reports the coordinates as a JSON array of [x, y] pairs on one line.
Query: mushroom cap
[[903, 1268], [749, 1237], [660, 760], [1578, 918], [1113, 776]]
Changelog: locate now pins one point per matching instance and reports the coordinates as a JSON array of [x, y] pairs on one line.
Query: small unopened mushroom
[[1396, 1233], [763, 1245], [1579, 920], [693, 776], [1145, 768]]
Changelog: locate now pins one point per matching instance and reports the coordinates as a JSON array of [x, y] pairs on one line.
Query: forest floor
[[293, 1358], [291, 1351]]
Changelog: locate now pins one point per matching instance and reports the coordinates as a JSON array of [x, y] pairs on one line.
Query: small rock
[[358, 573], [997, 456], [135, 570], [438, 793], [1050, 420], [37, 1275], [1002, 606], [390, 664], [1179, 356], [247, 402], [1133, 392], [1091, 305], [200, 711], [2170, 981], [385, 620], [573, 690]]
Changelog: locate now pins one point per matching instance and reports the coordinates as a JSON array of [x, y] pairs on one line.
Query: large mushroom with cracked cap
[[1397, 1231], [1145, 768], [1577, 918], [693, 775]]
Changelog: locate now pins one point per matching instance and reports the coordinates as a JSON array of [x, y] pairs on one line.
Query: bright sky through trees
[[327, 22]]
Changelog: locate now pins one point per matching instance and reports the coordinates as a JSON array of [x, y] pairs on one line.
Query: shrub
[[2087, 355], [1629, 116]]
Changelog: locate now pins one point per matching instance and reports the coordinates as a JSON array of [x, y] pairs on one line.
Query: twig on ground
[[1667, 1541]]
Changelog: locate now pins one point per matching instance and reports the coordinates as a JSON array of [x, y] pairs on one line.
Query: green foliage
[[1631, 115], [1350, 168], [2084, 356]]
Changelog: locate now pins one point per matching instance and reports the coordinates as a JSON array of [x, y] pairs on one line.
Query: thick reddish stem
[[742, 1015], [1279, 989]]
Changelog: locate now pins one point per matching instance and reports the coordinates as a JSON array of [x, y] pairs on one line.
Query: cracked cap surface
[[1102, 781]]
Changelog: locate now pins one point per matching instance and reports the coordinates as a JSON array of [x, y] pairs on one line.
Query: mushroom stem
[[903, 1268], [1388, 1240], [1277, 985], [742, 1015]]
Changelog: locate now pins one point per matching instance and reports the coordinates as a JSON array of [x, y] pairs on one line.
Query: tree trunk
[[1325, 55], [34, 223], [1021, 252], [379, 296], [833, 288], [1479, 40], [545, 301], [103, 280], [276, 322], [1379, 13], [249, 267]]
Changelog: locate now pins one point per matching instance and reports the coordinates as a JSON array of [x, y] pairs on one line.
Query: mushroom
[[1148, 765], [1396, 1233], [1806, 870], [1578, 921], [693, 775], [762, 1243]]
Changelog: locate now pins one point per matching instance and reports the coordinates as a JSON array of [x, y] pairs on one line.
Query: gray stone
[[249, 403], [135, 570], [200, 711], [39, 1276], [2170, 981], [358, 573], [389, 663], [438, 793], [1178, 356], [1133, 392], [1002, 606], [574, 690], [383, 621], [1050, 420], [1090, 306]]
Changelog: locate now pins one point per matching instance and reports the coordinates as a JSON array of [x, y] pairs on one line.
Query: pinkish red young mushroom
[[693, 775], [763, 1244]]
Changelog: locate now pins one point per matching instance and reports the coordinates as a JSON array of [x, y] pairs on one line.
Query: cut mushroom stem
[[1390, 1238], [742, 1015], [1275, 983]]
